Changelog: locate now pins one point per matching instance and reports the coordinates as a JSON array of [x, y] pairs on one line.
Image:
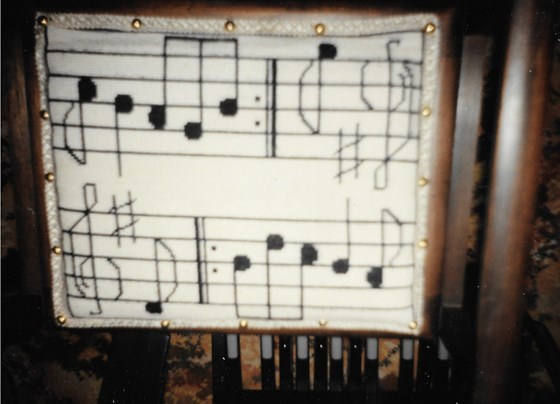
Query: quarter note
[[87, 91], [162, 249], [309, 255], [123, 105], [274, 242]]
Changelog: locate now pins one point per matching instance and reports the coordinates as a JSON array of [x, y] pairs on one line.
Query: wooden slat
[[468, 115], [219, 353], [321, 364], [511, 205], [286, 362], [15, 108], [355, 364]]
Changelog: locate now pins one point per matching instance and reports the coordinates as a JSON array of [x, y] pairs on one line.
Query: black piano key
[[406, 368], [355, 364], [302, 363], [371, 365], [233, 363], [336, 365], [321, 365], [426, 358], [268, 379], [219, 358], [441, 369], [286, 363]]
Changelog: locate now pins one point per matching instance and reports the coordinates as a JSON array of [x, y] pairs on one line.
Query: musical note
[[309, 255], [375, 277], [204, 51], [161, 247], [87, 91], [341, 266], [240, 263], [157, 116], [274, 242], [123, 105]]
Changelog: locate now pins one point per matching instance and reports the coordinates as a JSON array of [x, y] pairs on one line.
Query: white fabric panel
[[205, 177]]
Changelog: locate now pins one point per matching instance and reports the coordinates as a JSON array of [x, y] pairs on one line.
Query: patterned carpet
[[41, 365]]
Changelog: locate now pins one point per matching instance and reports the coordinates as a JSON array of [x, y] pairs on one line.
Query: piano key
[[321, 364], [286, 363], [233, 363], [406, 366], [441, 369], [302, 363], [267, 363], [371, 366], [336, 366], [355, 364]]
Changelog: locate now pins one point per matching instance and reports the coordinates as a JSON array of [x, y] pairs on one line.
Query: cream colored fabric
[[269, 174]]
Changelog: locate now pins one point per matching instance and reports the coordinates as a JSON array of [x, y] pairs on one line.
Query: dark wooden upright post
[[511, 206]]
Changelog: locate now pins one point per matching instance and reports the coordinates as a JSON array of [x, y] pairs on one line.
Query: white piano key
[[232, 346], [371, 348], [267, 346], [407, 349], [336, 348], [302, 347]]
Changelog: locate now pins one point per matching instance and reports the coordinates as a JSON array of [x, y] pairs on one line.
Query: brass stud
[[423, 181], [45, 114], [49, 177], [61, 320], [57, 250], [322, 322], [413, 325], [42, 20], [229, 26], [165, 324], [429, 28], [136, 23], [423, 243], [426, 112], [320, 29], [243, 324]]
